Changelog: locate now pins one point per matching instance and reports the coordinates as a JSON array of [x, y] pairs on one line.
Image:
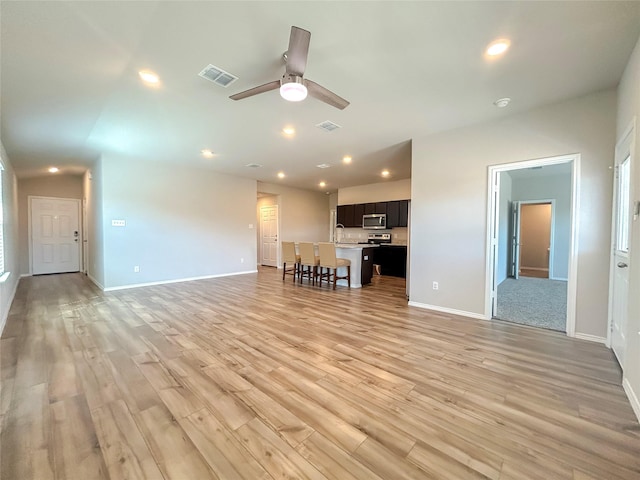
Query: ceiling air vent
[[253, 165], [217, 76], [328, 126]]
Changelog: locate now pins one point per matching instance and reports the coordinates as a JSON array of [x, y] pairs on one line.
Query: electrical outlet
[[136, 269], [118, 223], [435, 285]]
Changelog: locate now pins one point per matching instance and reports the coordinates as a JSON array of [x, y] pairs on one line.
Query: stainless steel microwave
[[374, 221]]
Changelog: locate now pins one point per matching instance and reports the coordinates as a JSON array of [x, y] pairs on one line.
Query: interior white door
[[515, 240], [55, 235], [269, 235], [620, 256]]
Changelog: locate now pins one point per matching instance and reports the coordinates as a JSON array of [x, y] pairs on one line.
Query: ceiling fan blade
[[256, 90], [298, 51], [327, 96]]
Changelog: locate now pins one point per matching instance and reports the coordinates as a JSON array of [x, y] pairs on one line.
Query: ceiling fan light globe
[[293, 91]]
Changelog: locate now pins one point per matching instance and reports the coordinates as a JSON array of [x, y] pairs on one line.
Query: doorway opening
[[534, 246], [531, 258]]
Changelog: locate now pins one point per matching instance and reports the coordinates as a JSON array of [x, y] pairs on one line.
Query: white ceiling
[[70, 92]]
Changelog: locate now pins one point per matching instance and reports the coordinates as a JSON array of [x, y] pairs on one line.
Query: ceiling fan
[[292, 85]]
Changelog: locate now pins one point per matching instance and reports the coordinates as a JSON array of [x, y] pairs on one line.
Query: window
[[622, 222]]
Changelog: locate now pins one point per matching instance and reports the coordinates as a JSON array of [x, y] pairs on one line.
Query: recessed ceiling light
[[207, 153], [323, 165], [384, 173], [346, 159], [498, 47], [54, 170], [502, 102], [323, 184], [149, 77], [288, 130], [281, 175]]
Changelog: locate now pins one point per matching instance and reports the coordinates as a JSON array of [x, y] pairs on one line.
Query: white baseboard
[[633, 398], [537, 269], [591, 338], [452, 311], [178, 280], [564, 279], [25, 275], [96, 282]]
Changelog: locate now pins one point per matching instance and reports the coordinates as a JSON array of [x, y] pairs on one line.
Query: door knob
[[622, 265]]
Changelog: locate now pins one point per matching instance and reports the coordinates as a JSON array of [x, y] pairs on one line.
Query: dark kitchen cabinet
[[341, 214], [397, 213], [393, 214], [348, 216], [358, 212], [381, 207], [403, 211]]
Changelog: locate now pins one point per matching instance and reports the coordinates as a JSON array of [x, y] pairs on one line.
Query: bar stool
[[308, 259], [329, 261], [290, 257]]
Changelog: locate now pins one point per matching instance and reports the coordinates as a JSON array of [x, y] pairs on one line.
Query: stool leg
[[349, 275]]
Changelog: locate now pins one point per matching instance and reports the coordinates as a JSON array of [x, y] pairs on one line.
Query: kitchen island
[[361, 256]]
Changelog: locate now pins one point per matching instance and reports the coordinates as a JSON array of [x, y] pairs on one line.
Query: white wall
[[628, 109], [58, 186], [92, 191], [181, 223], [9, 281], [558, 188], [304, 215], [375, 192], [449, 201], [504, 215]]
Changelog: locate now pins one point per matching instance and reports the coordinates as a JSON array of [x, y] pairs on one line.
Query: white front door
[[269, 235], [620, 255], [55, 235]]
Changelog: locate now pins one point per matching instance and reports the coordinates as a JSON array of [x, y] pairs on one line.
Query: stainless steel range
[[379, 238]]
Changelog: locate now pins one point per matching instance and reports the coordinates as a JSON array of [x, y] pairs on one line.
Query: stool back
[[327, 255], [307, 253], [288, 253]]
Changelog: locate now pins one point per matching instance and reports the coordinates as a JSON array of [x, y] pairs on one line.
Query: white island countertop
[[356, 245]]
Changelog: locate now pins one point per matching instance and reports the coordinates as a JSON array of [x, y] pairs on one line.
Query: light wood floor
[[249, 378]]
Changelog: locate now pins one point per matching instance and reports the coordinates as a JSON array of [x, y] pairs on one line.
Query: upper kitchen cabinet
[[346, 215], [404, 213], [397, 213], [393, 214], [381, 207], [358, 212]]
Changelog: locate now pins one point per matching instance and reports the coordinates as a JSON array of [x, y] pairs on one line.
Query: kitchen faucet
[[336, 239]]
